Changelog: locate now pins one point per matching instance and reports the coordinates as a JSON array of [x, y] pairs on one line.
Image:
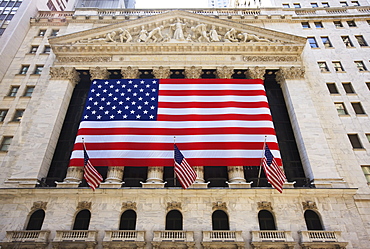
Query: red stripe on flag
[[212, 92]]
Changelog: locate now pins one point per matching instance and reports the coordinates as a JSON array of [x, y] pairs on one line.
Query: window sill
[[325, 72], [25, 97], [340, 71], [9, 97], [344, 115], [335, 94], [329, 47], [31, 54], [364, 71], [361, 115], [20, 74], [44, 53], [36, 74], [359, 149]]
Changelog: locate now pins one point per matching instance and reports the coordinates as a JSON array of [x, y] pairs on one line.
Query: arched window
[[36, 220], [128, 220], [174, 220], [313, 221], [266, 220], [82, 220], [220, 220]]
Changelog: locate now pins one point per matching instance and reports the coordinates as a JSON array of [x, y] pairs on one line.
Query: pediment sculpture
[[175, 31]]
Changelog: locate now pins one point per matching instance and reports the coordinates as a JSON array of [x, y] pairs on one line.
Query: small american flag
[[274, 173], [184, 172], [91, 175]]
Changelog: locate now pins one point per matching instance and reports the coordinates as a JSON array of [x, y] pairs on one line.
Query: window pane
[[338, 66], [325, 4], [368, 85], [24, 69], [351, 23], [36, 220], [296, 5], [338, 24], [326, 42], [128, 220], [286, 5], [42, 32], [341, 108], [305, 25], [332, 88], [343, 4], [6, 143], [348, 88], [357, 107], [3, 114], [38, 69], [318, 25], [266, 220], [174, 220], [34, 49], [314, 5], [323, 67], [355, 141], [347, 41], [312, 42], [312, 220], [366, 170], [220, 220], [82, 220], [13, 91], [29, 91], [361, 41]]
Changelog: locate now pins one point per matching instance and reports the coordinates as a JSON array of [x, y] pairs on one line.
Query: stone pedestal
[[73, 178], [155, 178], [114, 178], [199, 181], [236, 177]]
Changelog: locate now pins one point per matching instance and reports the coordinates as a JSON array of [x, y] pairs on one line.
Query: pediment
[[177, 31]]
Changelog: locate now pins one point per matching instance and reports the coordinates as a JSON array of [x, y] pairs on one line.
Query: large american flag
[[217, 122], [274, 173]]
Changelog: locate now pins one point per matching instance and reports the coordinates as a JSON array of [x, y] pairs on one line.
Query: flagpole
[[263, 155], [174, 173]]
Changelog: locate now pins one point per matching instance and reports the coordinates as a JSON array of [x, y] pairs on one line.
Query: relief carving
[[64, 73], [224, 72], [219, 205], [309, 205], [99, 73], [85, 59], [270, 58], [161, 72], [291, 73], [193, 72], [173, 205], [39, 205], [128, 205], [84, 205], [264, 205], [130, 72]]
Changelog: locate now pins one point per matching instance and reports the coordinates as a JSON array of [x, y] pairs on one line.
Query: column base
[[239, 184], [67, 184], [153, 184], [289, 184], [111, 184], [199, 185]]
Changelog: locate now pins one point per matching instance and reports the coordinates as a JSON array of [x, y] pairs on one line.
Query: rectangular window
[[348, 87], [42, 32], [366, 170], [368, 22], [286, 5], [360, 66], [355, 3], [341, 109], [357, 107], [332, 88], [314, 5], [6, 143], [360, 39], [305, 25], [38, 69], [368, 85], [368, 137], [18, 115], [13, 91], [323, 67], [351, 24], [296, 5], [325, 4], [338, 24], [34, 49], [312, 42], [24, 69], [325, 40], [29, 91], [2, 115], [54, 32], [355, 141], [318, 25], [338, 66], [347, 41], [47, 50], [343, 4]]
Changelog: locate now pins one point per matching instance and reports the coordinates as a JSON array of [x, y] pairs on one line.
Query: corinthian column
[[114, 177]]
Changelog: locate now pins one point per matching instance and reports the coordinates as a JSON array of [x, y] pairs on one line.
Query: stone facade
[[255, 41]]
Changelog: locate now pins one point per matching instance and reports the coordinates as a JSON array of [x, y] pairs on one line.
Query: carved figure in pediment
[[155, 35], [200, 33], [245, 37], [213, 35], [178, 26], [124, 35], [143, 35], [189, 38], [230, 36], [111, 37]]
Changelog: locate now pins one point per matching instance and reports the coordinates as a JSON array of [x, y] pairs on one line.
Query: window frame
[[27, 92], [24, 69], [286, 5], [305, 25], [347, 42], [313, 220], [351, 24], [34, 49], [314, 5], [332, 90], [5, 143], [323, 66], [42, 32], [358, 108], [338, 24], [54, 32], [326, 41], [266, 220], [348, 88], [366, 172], [343, 3], [338, 67], [47, 49], [355, 3], [3, 113], [221, 222], [13, 91], [174, 220], [38, 69], [128, 220], [361, 66], [361, 41], [297, 5], [18, 115], [355, 141], [318, 25], [325, 4], [36, 220], [83, 222], [340, 111], [312, 42]]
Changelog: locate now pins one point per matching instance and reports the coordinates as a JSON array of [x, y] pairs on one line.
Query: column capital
[[64, 73], [256, 72], [224, 72], [193, 72], [161, 72], [130, 72], [289, 73], [99, 73]]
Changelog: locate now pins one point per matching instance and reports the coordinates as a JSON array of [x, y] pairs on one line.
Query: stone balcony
[[173, 239], [86, 239], [223, 239], [124, 239], [25, 239], [272, 239], [322, 240]]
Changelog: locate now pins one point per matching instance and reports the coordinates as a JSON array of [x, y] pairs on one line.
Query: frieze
[[85, 59], [270, 58]]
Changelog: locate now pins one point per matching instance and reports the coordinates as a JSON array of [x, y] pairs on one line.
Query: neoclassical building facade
[[314, 65]]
